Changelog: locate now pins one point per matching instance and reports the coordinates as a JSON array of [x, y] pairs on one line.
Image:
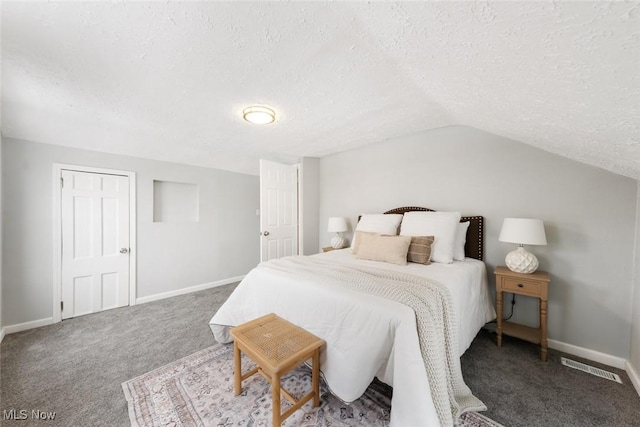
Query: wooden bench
[[277, 346]]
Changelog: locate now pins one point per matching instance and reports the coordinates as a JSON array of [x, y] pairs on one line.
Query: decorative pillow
[[461, 239], [357, 239], [377, 223], [376, 247], [420, 249], [441, 225]]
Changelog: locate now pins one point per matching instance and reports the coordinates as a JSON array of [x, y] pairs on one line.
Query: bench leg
[[275, 391], [315, 373], [237, 368]]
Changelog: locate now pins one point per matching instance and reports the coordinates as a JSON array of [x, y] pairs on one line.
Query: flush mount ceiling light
[[259, 114]]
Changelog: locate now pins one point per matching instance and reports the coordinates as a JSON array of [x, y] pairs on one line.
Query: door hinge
[[61, 305], [61, 182]]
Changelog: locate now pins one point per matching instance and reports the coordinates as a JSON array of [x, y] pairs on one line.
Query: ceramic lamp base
[[337, 242], [521, 261]]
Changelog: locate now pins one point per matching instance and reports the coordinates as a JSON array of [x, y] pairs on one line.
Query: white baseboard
[[634, 376], [188, 290], [12, 329], [586, 353]]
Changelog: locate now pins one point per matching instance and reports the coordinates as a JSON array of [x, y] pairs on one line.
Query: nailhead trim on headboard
[[474, 246]]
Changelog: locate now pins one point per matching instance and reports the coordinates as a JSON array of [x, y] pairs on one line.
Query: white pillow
[[378, 223], [441, 225], [461, 239]]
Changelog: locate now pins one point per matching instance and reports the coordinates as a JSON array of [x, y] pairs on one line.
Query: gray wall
[[589, 216], [2, 323], [634, 358], [171, 256], [309, 200]]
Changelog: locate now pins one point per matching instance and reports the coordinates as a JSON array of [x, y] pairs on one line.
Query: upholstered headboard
[[474, 246]]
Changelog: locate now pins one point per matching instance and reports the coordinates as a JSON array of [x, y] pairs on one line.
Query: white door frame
[[57, 231], [300, 207]]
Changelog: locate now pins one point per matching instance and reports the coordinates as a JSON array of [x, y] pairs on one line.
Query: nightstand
[[532, 285], [328, 248]]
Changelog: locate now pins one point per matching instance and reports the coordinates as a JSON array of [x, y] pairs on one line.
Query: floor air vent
[[591, 370]]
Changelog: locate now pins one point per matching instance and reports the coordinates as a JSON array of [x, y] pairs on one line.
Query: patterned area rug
[[198, 391]]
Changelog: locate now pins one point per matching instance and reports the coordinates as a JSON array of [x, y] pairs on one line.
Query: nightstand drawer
[[520, 286]]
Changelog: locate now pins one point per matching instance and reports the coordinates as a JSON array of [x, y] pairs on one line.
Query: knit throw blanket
[[435, 318]]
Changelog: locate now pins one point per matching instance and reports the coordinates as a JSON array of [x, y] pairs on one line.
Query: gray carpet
[[75, 368], [521, 390]]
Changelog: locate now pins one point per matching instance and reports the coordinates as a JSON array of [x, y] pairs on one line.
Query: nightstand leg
[[499, 317], [543, 330]]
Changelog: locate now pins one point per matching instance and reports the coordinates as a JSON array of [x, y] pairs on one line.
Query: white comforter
[[366, 335]]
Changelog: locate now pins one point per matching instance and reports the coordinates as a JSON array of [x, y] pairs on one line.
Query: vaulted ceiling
[[168, 80]]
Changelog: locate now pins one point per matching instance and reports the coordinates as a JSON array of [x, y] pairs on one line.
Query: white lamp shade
[[523, 231], [337, 225]]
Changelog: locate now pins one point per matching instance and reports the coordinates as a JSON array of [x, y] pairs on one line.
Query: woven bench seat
[[277, 346]]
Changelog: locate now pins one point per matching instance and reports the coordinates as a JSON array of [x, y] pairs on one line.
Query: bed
[[366, 312]]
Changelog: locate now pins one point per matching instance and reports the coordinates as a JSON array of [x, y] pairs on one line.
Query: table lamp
[[522, 231], [337, 225]]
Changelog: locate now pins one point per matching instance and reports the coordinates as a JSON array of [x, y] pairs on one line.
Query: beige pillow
[[356, 240], [420, 249], [376, 247]]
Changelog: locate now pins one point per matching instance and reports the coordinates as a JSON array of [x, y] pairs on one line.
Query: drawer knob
[[520, 285]]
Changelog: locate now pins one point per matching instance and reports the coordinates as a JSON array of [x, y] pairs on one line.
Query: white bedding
[[366, 335]]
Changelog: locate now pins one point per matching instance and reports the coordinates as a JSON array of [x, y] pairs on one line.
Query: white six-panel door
[[95, 242], [278, 210]]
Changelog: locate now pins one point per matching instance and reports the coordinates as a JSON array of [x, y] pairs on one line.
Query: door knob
[[124, 250], [266, 233]]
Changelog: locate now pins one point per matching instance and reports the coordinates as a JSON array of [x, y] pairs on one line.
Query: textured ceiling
[[168, 81]]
